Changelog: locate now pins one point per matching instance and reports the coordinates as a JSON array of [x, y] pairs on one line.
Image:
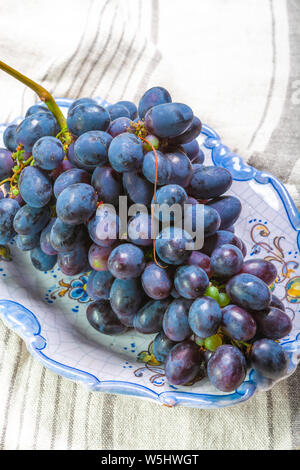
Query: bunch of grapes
[[212, 311]]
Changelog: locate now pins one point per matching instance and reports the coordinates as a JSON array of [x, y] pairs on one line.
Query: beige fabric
[[237, 64]]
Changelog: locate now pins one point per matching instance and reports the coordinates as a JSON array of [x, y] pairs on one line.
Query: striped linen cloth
[[238, 65]]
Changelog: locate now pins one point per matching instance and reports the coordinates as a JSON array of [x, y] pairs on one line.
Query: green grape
[[199, 341], [213, 342], [223, 299], [152, 139], [213, 292]]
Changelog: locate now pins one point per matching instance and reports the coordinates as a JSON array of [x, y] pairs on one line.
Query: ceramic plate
[[48, 309]]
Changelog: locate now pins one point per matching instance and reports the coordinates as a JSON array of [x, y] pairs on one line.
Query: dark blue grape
[[249, 292], [119, 126], [41, 261], [9, 137], [76, 204], [75, 175], [162, 345], [117, 110], [104, 227], [201, 260], [229, 209], [125, 299], [191, 133], [261, 268], [238, 323], [149, 318], [107, 184], [221, 237], [45, 243], [99, 285], [64, 237], [72, 157], [173, 245], [34, 127], [6, 164], [131, 108], [156, 282], [81, 101], [227, 368], [209, 182], [31, 220], [153, 97], [166, 197], [91, 148], [191, 149], [140, 230], [176, 323], [126, 153], [101, 317], [163, 168], [35, 187], [48, 153], [269, 358], [274, 323], [191, 281], [98, 257], [87, 117], [181, 170], [126, 261], [226, 261], [209, 223], [37, 108], [28, 242], [74, 262], [138, 189], [62, 168], [169, 119], [205, 317], [276, 302], [183, 363], [8, 210], [199, 159]]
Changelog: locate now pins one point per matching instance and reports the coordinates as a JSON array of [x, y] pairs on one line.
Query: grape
[[131, 108], [119, 126], [48, 153], [227, 368], [153, 97], [8, 210], [183, 363], [126, 153], [138, 189], [169, 119], [175, 294], [91, 148], [62, 168], [37, 108], [150, 317], [156, 281], [64, 237], [9, 137], [72, 157], [35, 187], [229, 209], [162, 345], [87, 117], [213, 292], [221, 237], [172, 245], [125, 299], [191, 133], [190, 281], [199, 159], [126, 261], [45, 243], [101, 317], [81, 101], [99, 285], [269, 358], [205, 317], [224, 299], [243, 248], [41, 261], [107, 184], [209, 182], [117, 110], [226, 261], [139, 230], [6, 164], [181, 170], [191, 149], [275, 302], [201, 260], [169, 195], [248, 291], [74, 262], [31, 220], [33, 127], [212, 343], [211, 221], [104, 227], [274, 324], [98, 257], [76, 203], [152, 141], [261, 268], [163, 168], [175, 322], [75, 175], [28, 242], [238, 323]]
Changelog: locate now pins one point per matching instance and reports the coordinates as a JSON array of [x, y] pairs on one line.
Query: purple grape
[[76, 203], [191, 133], [226, 261], [175, 322], [276, 302], [162, 345], [238, 323], [209, 182], [104, 227], [48, 153], [9, 138], [228, 208], [45, 243], [41, 261], [201, 260], [163, 168], [181, 170], [6, 164], [168, 119], [28, 242], [74, 262], [117, 110], [131, 108], [75, 175], [107, 184], [156, 281], [126, 261], [183, 363], [153, 97], [101, 317], [64, 237], [191, 149], [205, 317], [30, 220], [269, 359], [249, 292], [35, 187], [119, 126], [227, 368], [221, 237], [81, 101], [98, 257], [99, 284], [261, 268], [125, 299], [191, 281], [140, 230], [125, 153], [8, 210], [149, 318], [173, 245], [91, 148], [274, 324], [138, 189], [87, 117]]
